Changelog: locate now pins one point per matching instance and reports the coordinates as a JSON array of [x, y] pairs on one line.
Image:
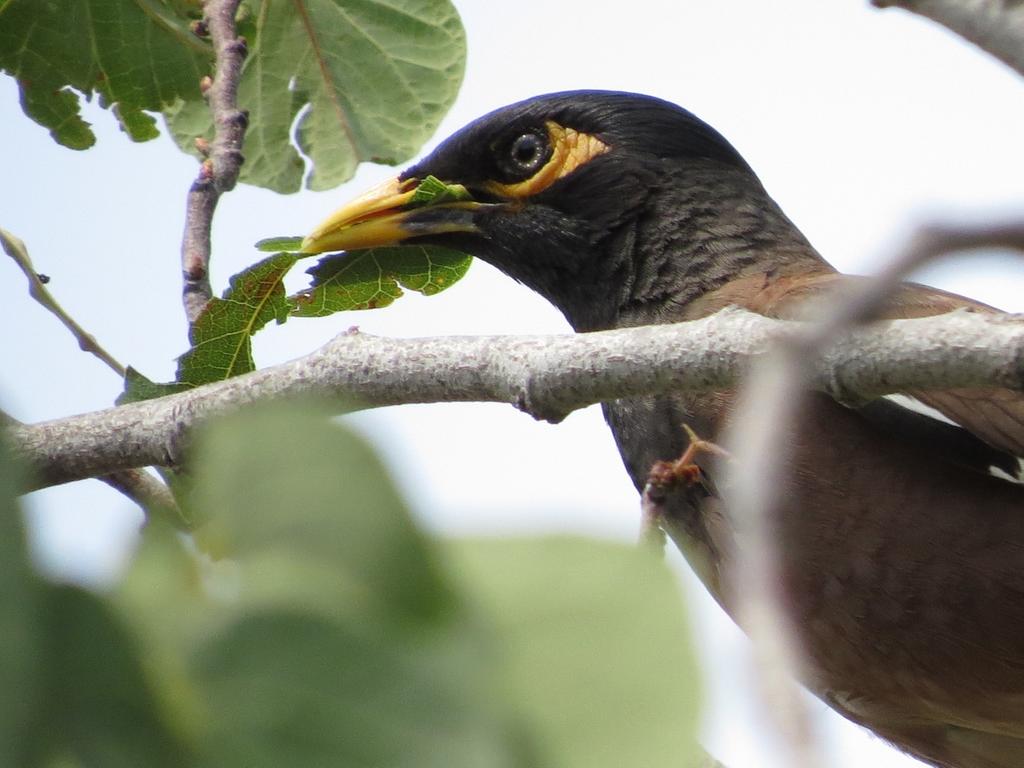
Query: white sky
[[859, 122]]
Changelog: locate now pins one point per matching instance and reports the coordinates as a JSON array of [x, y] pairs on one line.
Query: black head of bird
[[569, 191], [903, 556]]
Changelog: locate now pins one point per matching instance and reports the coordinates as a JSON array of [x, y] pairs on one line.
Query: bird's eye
[[527, 150], [524, 155]]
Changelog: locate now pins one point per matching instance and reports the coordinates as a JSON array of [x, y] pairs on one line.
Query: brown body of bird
[[903, 556]]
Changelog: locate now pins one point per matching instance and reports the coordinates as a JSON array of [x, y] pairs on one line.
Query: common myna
[[903, 553]]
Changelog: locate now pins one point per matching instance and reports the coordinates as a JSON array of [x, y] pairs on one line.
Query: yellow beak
[[389, 214], [372, 219]]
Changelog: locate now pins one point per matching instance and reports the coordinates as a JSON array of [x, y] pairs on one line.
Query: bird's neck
[[696, 234]]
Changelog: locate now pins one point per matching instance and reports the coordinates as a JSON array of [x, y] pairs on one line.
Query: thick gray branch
[[547, 376], [995, 26]]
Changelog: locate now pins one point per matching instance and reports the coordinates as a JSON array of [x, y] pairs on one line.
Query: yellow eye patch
[[570, 150]]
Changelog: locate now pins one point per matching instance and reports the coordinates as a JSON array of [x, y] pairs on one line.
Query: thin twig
[[770, 402], [37, 289], [995, 26], [218, 173], [150, 493], [138, 485]]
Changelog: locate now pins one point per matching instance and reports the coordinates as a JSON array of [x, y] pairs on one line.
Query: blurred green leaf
[[165, 597], [291, 688], [311, 517], [20, 634], [346, 644], [367, 81], [99, 708], [134, 54], [374, 278], [329, 631], [598, 657]]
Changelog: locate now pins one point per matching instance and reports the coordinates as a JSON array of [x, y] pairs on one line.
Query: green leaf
[[222, 335], [335, 635], [137, 387], [598, 657], [374, 278], [283, 243], [21, 665], [100, 708], [432, 191], [344, 643], [292, 688], [367, 81], [134, 54], [305, 507]]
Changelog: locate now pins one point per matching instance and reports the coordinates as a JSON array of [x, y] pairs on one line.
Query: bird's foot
[[667, 475], [683, 471]]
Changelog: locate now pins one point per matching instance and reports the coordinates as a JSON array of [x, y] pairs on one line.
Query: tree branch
[[150, 493], [16, 249], [219, 171], [995, 26], [138, 485], [546, 376]]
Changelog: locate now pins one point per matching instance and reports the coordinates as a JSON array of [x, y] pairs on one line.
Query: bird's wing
[[992, 416], [952, 746], [995, 416]]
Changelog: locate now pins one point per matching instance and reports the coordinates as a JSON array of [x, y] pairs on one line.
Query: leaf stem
[[16, 249]]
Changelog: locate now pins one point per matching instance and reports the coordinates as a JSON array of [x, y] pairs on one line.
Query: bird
[[901, 532]]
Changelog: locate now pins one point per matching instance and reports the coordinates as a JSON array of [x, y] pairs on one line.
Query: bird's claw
[[683, 471]]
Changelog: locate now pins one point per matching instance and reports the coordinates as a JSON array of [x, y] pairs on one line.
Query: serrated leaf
[[374, 278], [432, 191], [221, 337], [368, 81], [598, 658], [134, 55]]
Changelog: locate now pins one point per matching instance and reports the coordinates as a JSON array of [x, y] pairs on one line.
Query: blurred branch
[[546, 376], [16, 249], [770, 401], [995, 26], [218, 173], [149, 492]]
